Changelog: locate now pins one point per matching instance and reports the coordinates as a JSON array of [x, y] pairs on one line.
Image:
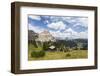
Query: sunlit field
[[49, 55]]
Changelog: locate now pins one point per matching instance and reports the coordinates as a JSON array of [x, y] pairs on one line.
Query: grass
[[74, 54], [31, 48]]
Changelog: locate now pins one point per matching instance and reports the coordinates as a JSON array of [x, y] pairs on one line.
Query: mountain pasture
[[54, 55], [43, 46]]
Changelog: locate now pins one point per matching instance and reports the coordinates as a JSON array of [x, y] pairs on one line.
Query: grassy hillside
[[74, 54]]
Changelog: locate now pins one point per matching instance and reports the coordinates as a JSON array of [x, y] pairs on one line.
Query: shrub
[[68, 55], [38, 54]]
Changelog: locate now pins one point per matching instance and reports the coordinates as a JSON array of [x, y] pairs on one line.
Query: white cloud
[[57, 25], [59, 34], [82, 34], [34, 17], [75, 34], [69, 30], [72, 33], [54, 18], [35, 28], [82, 22], [66, 18], [69, 33], [46, 21], [70, 19]]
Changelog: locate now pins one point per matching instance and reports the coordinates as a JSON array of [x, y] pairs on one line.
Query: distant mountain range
[[32, 35], [43, 36], [46, 36]]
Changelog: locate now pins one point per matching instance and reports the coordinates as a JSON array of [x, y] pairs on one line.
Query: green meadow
[[54, 55]]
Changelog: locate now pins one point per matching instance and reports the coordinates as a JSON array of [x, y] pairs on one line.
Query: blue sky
[[60, 26]]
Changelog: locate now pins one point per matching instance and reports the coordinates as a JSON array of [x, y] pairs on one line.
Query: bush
[[38, 54], [68, 55]]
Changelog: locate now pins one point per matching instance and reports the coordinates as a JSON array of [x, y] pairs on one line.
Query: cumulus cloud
[[35, 28], [76, 21], [66, 18], [69, 30], [57, 25], [46, 22], [59, 34], [74, 34], [69, 33], [84, 21], [82, 35], [62, 27], [81, 22], [55, 18], [34, 17]]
